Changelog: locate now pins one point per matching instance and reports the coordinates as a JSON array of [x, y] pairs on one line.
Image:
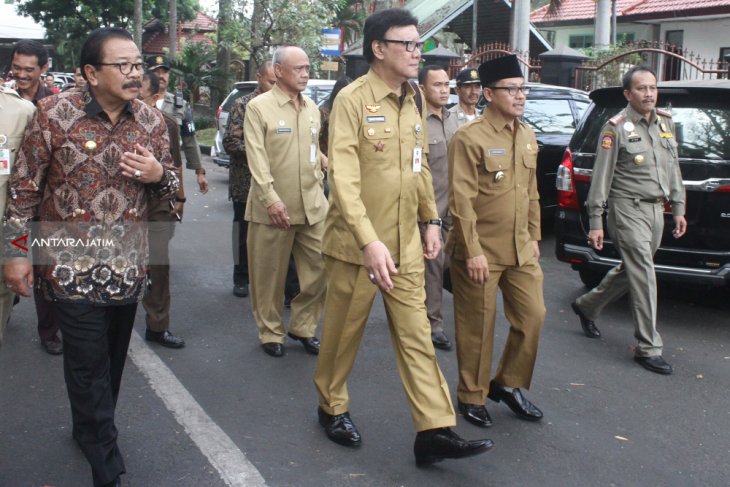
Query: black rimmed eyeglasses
[[512, 90], [409, 45], [126, 68]]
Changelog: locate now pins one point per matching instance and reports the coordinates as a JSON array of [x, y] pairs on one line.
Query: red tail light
[[722, 189], [567, 195], [217, 117]]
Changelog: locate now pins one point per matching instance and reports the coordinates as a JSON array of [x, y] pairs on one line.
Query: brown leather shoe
[[53, 346]]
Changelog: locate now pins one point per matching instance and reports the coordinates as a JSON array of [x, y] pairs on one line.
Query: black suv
[[553, 112], [701, 113]]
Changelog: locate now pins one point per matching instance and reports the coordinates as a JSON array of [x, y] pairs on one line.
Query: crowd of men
[[415, 189]]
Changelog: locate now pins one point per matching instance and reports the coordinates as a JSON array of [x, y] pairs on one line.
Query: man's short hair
[[29, 47], [153, 79], [49, 75], [263, 68], [628, 76], [423, 73], [94, 44], [378, 24]]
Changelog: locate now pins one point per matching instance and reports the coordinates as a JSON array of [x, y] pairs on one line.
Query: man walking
[[286, 206], [468, 89], [380, 188], [493, 244], [440, 126], [239, 176], [87, 165], [635, 174]]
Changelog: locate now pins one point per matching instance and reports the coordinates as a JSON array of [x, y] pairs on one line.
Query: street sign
[[329, 65], [330, 42]]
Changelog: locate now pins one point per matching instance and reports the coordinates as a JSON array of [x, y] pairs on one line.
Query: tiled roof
[[201, 22], [586, 9], [157, 41]]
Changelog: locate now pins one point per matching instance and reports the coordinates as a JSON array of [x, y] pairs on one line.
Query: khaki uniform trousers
[[156, 302], [350, 296], [475, 309], [435, 285], [269, 250], [636, 228]]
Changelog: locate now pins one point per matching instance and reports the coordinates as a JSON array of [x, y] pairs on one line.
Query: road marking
[[232, 465]]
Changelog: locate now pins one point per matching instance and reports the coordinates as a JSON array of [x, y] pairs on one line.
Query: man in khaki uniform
[[286, 206], [493, 244], [380, 188], [440, 126], [15, 114], [468, 89], [635, 173]]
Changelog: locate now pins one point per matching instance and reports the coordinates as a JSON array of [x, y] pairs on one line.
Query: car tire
[[590, 278]]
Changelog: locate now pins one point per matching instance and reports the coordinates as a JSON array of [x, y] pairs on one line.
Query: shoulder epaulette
[[664, 113], [616, 119]]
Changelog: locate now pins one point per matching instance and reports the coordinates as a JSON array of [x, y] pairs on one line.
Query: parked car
[[62, 79], [317, 89], [553, 112], [701, 113]]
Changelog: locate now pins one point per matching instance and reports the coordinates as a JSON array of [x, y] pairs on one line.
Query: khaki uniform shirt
[[15, 114], [177, 109], [636, 159], [493, 195], [460, 116], [440, 131], [375, 193], [279, 143]]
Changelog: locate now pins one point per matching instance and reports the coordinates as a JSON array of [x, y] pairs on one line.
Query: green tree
[[194, 66], [68, 22]]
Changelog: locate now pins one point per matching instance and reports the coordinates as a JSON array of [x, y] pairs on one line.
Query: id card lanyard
[[417, 150], [4, 156]]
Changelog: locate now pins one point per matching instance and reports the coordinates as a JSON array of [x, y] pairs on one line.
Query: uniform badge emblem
[[629, 127], [371, 132], [638, 159], [3, 139], [529, 146], [281, 123], [499, 176], [607, 141], [372, 108], [379, 146]]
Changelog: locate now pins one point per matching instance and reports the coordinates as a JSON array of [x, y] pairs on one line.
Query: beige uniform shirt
[[636, 159], [460, 116], [375, 193], [284, 166], [493, 195], [15, 114], [440, 131]]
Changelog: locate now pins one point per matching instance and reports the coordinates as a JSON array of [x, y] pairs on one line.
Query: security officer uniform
[[15, 114], [283, 156], [636, 172], [174, 105], [495, 208], [376, 195], [441, 128], [468, 76]]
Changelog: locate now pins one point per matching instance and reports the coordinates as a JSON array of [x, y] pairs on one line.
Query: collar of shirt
[[43, 91], [282, 98], [381, 89], [496, 120], [444, 113], [93, 109], [636, 117]]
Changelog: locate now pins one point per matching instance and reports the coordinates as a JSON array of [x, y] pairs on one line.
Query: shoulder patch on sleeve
[[616, 119], [607, 139], [663, 113]]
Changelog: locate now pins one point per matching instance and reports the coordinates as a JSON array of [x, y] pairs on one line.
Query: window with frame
[[579, 41]]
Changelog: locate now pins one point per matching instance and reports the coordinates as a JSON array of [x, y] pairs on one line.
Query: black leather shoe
[[164, 338], [476, 414], [655, 364], [311, 344], [240, 290], [117, 482], [512, 396], [273, 349], [339, 428], [440, 340], [589, 326], [432, 446], [53, 346]]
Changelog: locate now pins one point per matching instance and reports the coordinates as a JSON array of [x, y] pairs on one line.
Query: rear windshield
[[547, 116], [702, 127]]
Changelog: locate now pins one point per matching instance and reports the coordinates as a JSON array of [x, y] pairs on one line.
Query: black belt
[[656, 201]]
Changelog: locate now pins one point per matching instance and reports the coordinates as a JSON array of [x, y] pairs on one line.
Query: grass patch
[[206, 136]]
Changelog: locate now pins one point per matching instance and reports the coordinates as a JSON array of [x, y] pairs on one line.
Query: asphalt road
[[220, 412]]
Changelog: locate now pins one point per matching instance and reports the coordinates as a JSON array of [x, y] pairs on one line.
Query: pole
[[474, 26]]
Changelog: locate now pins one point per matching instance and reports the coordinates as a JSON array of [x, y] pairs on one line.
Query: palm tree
[[349, 18]]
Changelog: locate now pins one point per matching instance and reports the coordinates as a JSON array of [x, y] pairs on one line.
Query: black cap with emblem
[[500, 68], [157, 61], [467, 76]]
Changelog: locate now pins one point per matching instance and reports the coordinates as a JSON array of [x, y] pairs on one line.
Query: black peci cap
[[500, 68]]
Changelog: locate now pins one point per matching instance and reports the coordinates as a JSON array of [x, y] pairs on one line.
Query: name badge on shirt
[[376, 119], [497, 152], [417, 155], [283, 130], [4, 156]]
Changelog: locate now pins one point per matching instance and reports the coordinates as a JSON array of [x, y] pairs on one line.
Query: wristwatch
[[437, 221], [180, 199], [200, 170]]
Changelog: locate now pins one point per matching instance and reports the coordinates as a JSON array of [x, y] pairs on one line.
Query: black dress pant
[[240, 235], [95, 343]]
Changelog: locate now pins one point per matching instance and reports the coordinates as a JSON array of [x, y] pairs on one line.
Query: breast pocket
[[498, 171], [378, 143], [529, 157], [633, 155]]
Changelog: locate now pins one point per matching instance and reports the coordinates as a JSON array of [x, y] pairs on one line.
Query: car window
[[549, 116], [703, 132], [581, 107], [235, 95]]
